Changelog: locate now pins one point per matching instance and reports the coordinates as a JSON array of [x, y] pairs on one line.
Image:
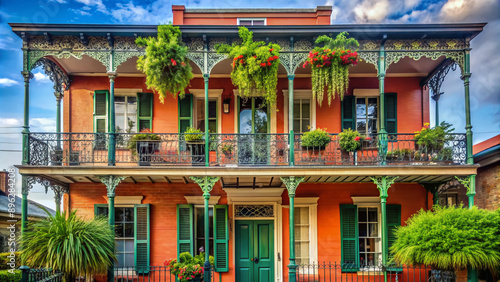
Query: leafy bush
[[317, 138], [70, 244], [450, 238], [6, 276], [190, 136], [4, 259], [144, 135], [350, 140], [400, 154], [165, 64], [434, 138], [188, 267]]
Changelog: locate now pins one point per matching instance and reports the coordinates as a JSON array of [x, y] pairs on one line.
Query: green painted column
[[206, 184], [291, 184], [111, 181], [383, 184], [207, 135], [111, 117], [382, 136], [291, 137], [27, 184], [59, 97], [468, 125], [437, 111], [26, 126], [59, 191]]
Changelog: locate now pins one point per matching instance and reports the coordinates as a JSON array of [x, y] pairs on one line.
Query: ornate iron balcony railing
[[74, 149]]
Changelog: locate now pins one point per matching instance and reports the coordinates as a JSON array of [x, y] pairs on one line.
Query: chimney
[[4, 179], [178, 14]]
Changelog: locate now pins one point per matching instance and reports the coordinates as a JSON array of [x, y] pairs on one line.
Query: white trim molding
[[235, 195], [198, 200]]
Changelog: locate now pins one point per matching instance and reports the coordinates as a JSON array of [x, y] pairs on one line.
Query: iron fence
[[40, 275], [151, 274], [73, 149], [328, 271]]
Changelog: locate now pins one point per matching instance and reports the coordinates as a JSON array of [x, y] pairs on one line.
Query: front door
[[253, 129], [254, 250]]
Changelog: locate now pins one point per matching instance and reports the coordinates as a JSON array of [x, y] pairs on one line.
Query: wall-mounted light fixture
[[226, 100]]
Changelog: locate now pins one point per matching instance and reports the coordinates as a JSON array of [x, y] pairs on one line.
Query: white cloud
[[470, 10], [6, 82], [372, 11], [59, 1], [131, 13], [41, 77], [94, 3]]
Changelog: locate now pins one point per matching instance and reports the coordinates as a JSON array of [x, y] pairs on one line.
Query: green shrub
[[4, 259], [188, 266], [6, 276], [400, 154], [144, 135], [350, 140], [434, 138], [317, 138], [450, 238], [193, 137]]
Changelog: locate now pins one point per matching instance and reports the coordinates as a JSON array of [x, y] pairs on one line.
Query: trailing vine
[[255, 66], [330, 66], [165, 64]]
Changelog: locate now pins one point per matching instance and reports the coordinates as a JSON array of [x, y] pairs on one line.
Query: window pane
[[118, 214], [212, 126], [131, 121], [120, 246], [296, 126], [129, 260], [121, 260], [131, 104], [129, 230], [362, 244], [212, 109], [373, 230], [362, 215], [245, 22], [305, 125], [258, 22], [306, 109], [260, 121], [362, 229], [372, 126], [296, 110], [361, 126], [120, 105], [372, 215], [100, 125], [119, 230], [129, 246], [120, 123], [372, 107], [360, 108], [246, 121], [301, 215]]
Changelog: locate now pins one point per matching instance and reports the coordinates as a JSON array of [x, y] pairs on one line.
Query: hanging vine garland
[[255, 66], [330, 66], [165, 64]]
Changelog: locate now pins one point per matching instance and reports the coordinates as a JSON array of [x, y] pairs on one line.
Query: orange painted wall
[[164, 198], [79, 103]]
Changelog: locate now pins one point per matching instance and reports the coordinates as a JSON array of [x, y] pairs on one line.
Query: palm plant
[[71, 244]]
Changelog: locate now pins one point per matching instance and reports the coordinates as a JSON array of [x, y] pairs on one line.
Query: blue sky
[[485, 62]]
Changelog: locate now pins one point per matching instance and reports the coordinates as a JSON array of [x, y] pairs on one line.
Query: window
[[302, 236], [301, 115], [367, 115], [192, 111], [131, 235], [248, 21], [212, 115], [190, 232], [126, 114], [448, 199], [360, 233]]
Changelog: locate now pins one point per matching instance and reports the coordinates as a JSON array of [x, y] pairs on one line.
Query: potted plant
[[400, 155], [145, 144], [227, 150], [165, 64], [350, 141], [429, 142], [195, 145], [188, 268], [255, 66], [330, 66]]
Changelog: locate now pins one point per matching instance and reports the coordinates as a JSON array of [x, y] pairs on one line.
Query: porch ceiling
[[252, 177]]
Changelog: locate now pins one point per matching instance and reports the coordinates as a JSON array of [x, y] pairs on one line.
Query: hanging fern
[[255, 66], [165, 64], [330, 66]]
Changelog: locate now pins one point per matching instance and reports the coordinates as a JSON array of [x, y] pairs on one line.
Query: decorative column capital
[[27, 75], [112, 76], [111, 181], [291, 76], [206, 183], [59, 191], [58, 96], [467, 182], [383, 183], [291, 183], [27, 184]]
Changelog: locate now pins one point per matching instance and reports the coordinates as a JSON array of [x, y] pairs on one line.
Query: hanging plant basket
[[165, 64], [330, 66], [255, 66]]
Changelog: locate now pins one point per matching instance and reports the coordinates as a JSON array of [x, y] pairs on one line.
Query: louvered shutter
[[349, 237], [141, 238], [393, 221], [390, 107], [101, 107], [185, 112], [144, 111], [348, 113], [185, 229], [221, 238]]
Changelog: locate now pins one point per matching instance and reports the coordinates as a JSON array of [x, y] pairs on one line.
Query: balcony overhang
[[252, 176]]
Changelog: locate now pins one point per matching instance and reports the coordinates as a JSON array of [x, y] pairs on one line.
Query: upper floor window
[[301, 115], [126, 114], [367, 115], [252, 21]]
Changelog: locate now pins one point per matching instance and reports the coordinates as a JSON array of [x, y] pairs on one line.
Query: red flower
[[275, 57], [262, 64], [242, 61], [269, 63], [270, 50], [357, 138], [368, 139], [183, 63], [240, 56], [174, 63]]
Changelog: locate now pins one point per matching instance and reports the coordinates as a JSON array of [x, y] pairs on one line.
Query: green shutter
[[221, 238], [349, 237], [144, 111], [348, 113], [393, 221], [185, 233], [391, 112], [185, 112], [141, 238], [101, 109]]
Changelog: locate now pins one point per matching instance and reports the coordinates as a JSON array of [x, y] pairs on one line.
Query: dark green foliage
[[188, 267], [350, 140], [165, 64], [255, 66], [434, 138], [450, 238], [4, 259], [68, 243], [192, 134], [144, 135], [317, 138], [6, 276]]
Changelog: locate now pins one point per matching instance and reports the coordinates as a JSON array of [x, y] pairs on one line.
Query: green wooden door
[[254, 251]]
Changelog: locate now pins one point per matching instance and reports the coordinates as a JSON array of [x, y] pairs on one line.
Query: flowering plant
[[434, 138], [255, 66], [188, 267], [350, 140], [330, 65], [144, 135], [165, 64]]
